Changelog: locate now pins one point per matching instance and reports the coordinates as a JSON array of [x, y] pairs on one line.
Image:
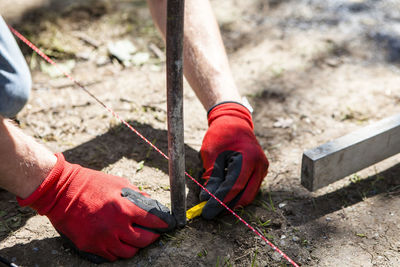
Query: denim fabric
[[15, 78]]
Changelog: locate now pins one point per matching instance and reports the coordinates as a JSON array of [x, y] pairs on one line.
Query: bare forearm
[[206, 65], [24, 163]]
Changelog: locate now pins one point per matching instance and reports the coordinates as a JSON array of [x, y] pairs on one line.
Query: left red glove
[[101, 214], [234, 162]]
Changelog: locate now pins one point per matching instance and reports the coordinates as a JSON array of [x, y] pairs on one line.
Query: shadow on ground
[[300, 210], [101, 152], [113, 144], [120, 142]]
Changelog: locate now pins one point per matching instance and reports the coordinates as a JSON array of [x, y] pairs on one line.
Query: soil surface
[[313, 70]]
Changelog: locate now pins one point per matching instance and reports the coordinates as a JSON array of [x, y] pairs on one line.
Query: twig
[[157, 51], [88, 40]]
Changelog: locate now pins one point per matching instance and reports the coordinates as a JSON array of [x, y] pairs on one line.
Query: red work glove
[[101, 214], [234, 162]]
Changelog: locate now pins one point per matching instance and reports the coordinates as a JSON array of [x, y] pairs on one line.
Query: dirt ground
[[313, 70]]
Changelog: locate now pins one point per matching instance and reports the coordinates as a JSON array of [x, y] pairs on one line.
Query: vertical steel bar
[[176, 152]]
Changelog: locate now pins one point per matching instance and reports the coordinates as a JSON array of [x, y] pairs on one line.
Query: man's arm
[[23, 162], [103, 215], [206, 65], [234, 162]]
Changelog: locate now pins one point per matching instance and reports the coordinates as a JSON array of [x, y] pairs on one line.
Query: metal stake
[[176, 151]]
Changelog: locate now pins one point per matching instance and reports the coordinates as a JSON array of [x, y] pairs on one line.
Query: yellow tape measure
[[195, 211]]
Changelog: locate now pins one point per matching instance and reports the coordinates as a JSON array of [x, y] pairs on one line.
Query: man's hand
[[234, 162], [101, 214]]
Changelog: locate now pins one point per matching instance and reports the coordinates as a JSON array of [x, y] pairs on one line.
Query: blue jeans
[[15, 78]]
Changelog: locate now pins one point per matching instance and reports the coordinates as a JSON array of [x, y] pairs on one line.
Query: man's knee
[[15, 89], [15, 78]]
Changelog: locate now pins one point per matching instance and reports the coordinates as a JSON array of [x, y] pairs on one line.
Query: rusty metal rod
[[176, 152]]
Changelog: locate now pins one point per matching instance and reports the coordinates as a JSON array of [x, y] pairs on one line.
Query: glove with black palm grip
[[234, 162], [103, 216]]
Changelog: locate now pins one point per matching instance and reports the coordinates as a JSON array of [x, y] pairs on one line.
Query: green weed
[[253, 261]]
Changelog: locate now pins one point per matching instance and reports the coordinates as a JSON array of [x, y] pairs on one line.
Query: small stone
[[102, 60], [83, 55], [368, 21], [276, 256], [140, 58], [54, 71], [283, 236], [328, 219], [295, 238], [155, 68], [283, 123], [122, 49], [281, 205], [332, 62]]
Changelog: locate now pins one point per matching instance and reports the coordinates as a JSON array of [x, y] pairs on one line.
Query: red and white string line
[[49, 60]]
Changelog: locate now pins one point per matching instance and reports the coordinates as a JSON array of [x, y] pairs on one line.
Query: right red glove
[[234, 162], [100, 213]]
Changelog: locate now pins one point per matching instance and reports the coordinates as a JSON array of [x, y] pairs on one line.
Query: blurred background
[[313, 70]]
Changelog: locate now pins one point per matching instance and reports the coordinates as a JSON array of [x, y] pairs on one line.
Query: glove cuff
[[232, 109], [36, 200], [226, 102]]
